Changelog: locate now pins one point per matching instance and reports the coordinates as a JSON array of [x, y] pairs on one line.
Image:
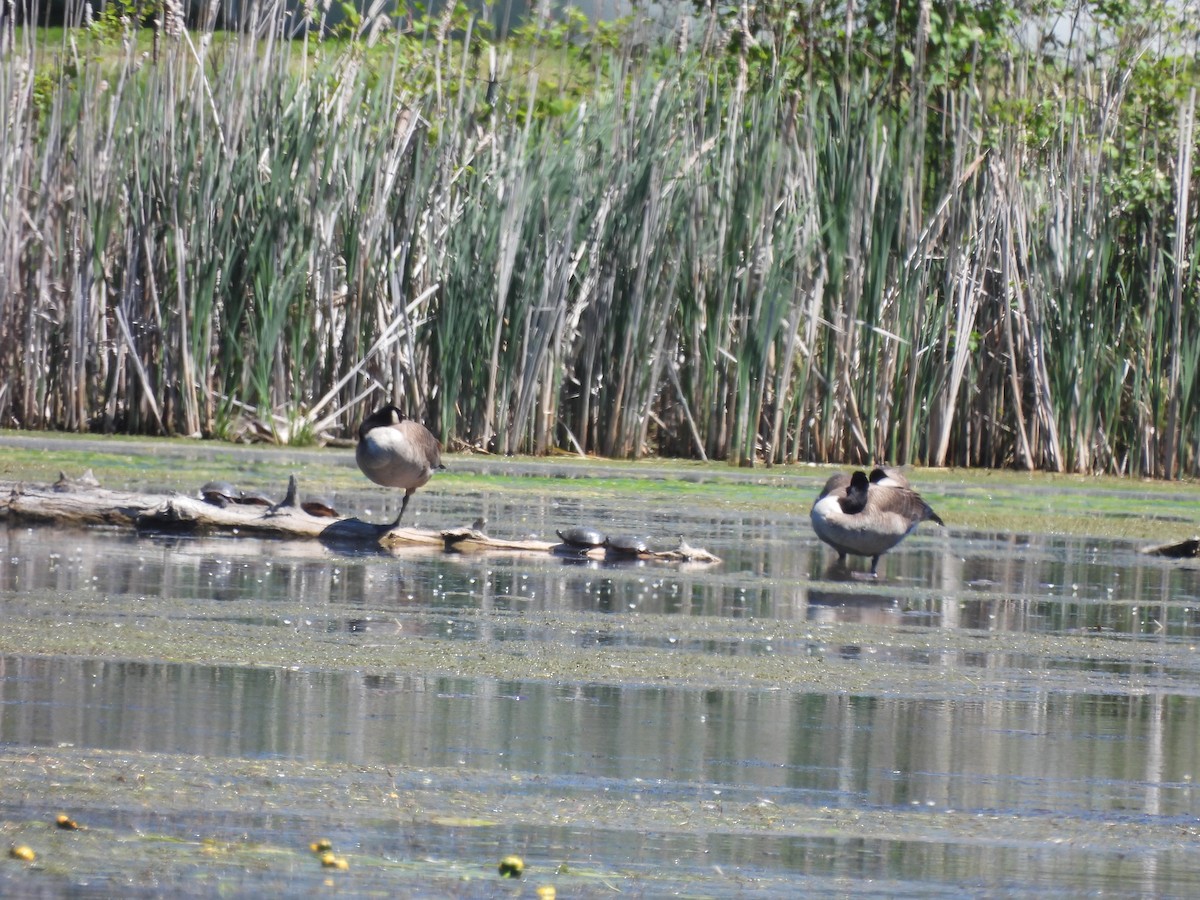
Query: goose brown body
[[394, 451], [868, 516]]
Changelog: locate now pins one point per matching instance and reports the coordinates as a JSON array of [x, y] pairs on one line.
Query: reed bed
[[697, 251]]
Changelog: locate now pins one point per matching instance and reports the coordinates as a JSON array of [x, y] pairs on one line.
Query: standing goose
[[397, 452], [886, 477], [868, 517]]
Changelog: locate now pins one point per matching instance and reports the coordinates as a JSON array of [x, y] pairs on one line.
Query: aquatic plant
[[734, 245]]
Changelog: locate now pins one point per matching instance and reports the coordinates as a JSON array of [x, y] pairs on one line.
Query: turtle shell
[[254, 498], [627, 544], [582, 536], [221, 493], [321, 507]]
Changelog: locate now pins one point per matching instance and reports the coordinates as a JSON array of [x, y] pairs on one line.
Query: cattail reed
[[702, 250]]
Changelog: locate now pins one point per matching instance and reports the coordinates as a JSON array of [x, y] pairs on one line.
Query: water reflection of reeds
[[985, 697], [992, 756]]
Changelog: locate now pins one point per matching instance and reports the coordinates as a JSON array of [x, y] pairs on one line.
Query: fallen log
[[1187, 548], [83, 502]]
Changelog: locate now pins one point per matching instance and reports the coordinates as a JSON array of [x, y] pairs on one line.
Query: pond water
[[1009, 714]]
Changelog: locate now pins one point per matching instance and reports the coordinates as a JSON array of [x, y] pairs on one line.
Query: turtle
[[321, 507], [582, 537], [626, 545], [221, 493], [254, 498]]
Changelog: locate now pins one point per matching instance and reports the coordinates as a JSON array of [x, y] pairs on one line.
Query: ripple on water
[[996, 714]]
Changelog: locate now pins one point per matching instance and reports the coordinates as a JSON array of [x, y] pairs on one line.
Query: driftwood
[[83, 502], [1185, 549]]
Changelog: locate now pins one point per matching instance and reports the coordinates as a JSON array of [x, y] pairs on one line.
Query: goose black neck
[[855, 500]]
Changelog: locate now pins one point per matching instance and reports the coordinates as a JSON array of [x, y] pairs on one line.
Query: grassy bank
[[972, 500], [940, 246]]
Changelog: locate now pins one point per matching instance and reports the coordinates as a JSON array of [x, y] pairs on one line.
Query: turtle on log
[[582, 538]]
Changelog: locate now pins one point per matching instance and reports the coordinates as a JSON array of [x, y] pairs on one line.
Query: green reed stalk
[[708, 253]]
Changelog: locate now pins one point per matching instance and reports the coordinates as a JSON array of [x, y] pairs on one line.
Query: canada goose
[[887, 477], [397, 452], [868, 518]]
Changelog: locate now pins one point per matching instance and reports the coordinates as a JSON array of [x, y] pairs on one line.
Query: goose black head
[[855, 500], [381, 418]]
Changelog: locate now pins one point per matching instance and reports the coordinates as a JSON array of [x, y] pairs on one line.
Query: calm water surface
[[1074, 776]]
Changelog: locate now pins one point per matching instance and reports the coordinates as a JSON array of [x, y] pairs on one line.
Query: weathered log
[[1184, 549], [73, 503], [81, 502], [467, 540]]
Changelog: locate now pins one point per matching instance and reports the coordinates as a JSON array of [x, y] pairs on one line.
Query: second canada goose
[[868, 518], [395, 451], [887, 477]]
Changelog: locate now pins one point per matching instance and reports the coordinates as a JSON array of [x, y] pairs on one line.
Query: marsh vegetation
[[951, 235]]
